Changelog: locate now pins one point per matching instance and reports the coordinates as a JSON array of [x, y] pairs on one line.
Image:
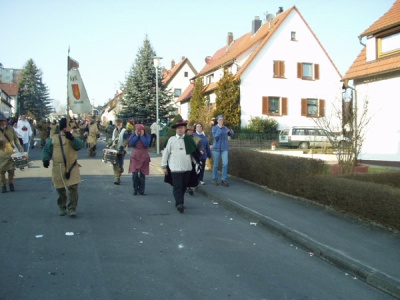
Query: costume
[[139, 164], [118, 142], [93, 134], [65, 171], [177, 155], [44, 128], [109, 131], [205, 147], [9, 143], [220, 149], [25, 130]]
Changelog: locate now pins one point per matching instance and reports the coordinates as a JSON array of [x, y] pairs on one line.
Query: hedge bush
[[371, 197]]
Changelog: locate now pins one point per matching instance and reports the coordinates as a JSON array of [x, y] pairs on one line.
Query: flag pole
[[68, 67]]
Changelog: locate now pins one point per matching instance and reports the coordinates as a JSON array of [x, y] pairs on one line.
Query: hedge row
[[371, 197]]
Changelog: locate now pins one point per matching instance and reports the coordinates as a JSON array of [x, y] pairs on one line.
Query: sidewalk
[[365, 252]]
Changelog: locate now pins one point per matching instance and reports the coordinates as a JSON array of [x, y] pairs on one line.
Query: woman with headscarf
[[139, 164]]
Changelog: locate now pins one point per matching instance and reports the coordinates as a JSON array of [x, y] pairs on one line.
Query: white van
[[305, 137]]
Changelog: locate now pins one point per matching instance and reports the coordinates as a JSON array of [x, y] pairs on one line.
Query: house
[[5, 104], [376, 77], [177, 80], [111, 109], [284, 71], [9, 98]]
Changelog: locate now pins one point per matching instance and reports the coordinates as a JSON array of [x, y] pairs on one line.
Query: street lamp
[[156, 61]]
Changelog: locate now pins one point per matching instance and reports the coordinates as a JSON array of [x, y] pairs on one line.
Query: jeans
[[216, 156]]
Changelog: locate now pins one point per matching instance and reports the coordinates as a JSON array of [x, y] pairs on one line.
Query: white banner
[[78, 99]]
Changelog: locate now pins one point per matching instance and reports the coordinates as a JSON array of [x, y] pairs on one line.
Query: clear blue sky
[[105, 36]]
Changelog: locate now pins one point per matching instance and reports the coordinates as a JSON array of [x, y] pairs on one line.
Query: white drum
[[110, 155], [20, 159]]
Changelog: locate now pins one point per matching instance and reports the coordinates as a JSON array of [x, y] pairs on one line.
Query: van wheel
[[304, 145]]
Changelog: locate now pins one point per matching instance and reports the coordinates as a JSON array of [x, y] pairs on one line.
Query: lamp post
[[156, 61]]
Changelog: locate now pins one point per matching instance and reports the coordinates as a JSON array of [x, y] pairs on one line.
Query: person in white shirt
[[177, 155], [25, 131], [153, 129]]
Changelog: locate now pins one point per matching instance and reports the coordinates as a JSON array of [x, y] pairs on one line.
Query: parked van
[[305, 137]]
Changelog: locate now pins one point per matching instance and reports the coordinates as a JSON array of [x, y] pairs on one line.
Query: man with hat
[[177, 155], [62, 148], [119, 141], [220, 149], [93, 134], [8, 142]]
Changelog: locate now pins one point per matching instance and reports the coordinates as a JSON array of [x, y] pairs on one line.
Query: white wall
[[257, 80]]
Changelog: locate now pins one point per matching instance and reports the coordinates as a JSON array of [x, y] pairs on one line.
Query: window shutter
[[282, 69], [316, 71], [265, 105], [299, 70], [304, 107], [284, 107], [321, 106], [276, 69]]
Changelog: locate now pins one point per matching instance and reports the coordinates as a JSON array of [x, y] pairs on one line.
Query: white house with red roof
[[376, 78], [284, 71]]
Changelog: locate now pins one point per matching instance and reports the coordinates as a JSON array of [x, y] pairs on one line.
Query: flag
[[78, 99], [72, 64]]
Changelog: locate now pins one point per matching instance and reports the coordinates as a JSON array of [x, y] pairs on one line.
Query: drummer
[[8, 143], [119, 141]]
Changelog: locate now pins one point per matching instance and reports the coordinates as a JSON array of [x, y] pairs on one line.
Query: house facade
[[9, 90], [284, 71], [375, 75]]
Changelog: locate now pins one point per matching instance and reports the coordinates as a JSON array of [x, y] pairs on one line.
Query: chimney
[[172, 64], [280, 10], [256, 24], [229, 39]]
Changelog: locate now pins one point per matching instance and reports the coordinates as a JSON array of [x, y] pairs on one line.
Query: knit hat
[[220, 117], [139, 127]]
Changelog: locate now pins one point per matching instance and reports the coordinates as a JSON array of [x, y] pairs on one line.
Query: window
[[186, 74], [274, 106], [209, 78], [313, 108], [177, 92], [293, 36], [279, 69], [388, 43], [308, 71]]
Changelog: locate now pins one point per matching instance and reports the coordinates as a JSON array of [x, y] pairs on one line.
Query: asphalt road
[[122, 246]]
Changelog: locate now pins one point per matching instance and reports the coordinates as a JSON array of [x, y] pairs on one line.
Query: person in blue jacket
[[205, 150], [220, 149]]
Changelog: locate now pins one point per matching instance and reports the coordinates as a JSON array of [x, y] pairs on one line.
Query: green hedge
[[371, 197]]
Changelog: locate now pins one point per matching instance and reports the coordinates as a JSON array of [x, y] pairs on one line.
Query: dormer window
[[209, 78], [388, 44]]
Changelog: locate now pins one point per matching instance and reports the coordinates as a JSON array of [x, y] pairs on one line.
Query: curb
[[371, 276]]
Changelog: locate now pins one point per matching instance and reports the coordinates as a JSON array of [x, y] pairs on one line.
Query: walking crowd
[[183, 162]]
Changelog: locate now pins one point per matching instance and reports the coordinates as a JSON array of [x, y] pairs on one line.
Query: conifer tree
[[33, 94], [139, 101], [197, 101], [228, 100]]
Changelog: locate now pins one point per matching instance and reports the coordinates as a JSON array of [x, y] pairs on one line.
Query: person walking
[[139, 164], [109, 131], [63, 149], [93, 134], [44, 128], [205, 151], [25, 130], [153, 128], [220, 149], [177, 156], [9, 143], [119, 141]]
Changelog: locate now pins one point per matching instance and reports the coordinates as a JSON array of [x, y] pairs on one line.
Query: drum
[[20, 159], [110, 155]]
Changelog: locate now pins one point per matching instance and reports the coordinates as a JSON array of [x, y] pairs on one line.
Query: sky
[[105, 36]]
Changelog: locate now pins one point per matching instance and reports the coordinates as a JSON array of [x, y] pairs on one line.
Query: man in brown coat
[[62, 148], [9, 142]]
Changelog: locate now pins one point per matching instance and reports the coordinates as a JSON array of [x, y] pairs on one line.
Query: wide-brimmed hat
[[180, 123]]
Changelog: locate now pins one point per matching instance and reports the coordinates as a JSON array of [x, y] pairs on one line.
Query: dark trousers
[[180, 181], [153, 138], [139, 182], [203, 166]]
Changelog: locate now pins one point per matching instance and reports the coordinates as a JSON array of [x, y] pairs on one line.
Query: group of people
[[185, 150]]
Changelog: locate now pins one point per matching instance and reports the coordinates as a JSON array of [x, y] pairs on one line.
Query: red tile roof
[[390, 19], [187, 94], [227, 54], [10, 88], [360, 67], [168, 75]]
